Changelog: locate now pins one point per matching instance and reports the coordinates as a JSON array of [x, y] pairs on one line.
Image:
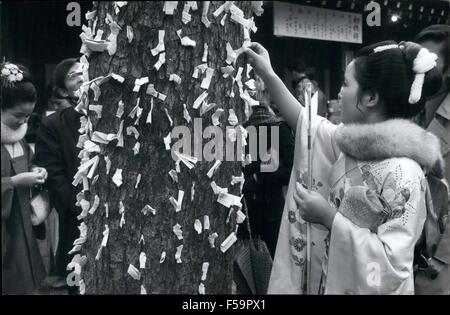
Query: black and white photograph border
[[229, 149]]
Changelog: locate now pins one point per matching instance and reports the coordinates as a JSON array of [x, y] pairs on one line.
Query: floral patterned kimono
[[373, 174]]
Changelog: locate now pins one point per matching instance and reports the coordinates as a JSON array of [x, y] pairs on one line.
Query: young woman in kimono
[[22, 267], [367, 205]]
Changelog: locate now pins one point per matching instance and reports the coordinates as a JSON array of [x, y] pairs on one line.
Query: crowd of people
[[373, 220]]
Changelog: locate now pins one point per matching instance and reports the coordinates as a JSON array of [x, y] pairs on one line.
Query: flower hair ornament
[[423, 62], [10, 74]]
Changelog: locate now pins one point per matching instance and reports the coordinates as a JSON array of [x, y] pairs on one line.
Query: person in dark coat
[[22, 267], [56, 151], [263, 187], [435, 278]]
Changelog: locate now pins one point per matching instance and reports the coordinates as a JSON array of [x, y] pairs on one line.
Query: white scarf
[[11, 138]]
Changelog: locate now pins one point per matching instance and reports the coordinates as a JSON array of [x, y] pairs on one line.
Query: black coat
[[57, 152], [263, 191]]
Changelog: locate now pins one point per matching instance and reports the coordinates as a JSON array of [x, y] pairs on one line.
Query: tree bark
[[109, 275]]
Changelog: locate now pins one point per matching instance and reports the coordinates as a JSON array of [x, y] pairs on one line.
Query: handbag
[[40, 207], [252, 264]]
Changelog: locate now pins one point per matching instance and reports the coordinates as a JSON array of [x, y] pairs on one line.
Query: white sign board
[[294, 20]]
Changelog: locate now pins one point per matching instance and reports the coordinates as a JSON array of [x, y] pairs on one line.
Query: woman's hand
[[259, 59], [27, 179], [40, 171], [313, 207], [289, 107]]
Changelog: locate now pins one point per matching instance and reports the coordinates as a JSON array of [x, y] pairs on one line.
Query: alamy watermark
[[374, 274], [373, 17], [237, 139]]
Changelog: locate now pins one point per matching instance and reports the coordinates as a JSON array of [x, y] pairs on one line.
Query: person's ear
[[370, 99], [62, 92]]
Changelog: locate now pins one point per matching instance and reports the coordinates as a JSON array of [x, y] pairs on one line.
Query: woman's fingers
[[251, 54], [255, 50], [258, 48], [298, 200], [302, 192]]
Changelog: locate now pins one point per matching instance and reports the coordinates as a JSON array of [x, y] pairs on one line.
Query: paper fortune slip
[[232, 118], [177, 231], [160, 47], [177, 204], [205, 267], [206, 107], [178, 254], [206, 222], [148, 209], [200, 100], [228, 242], [103, 138], [187, 160], [240, 217], [186, 41], [95, 205], [198, 226], [117, 177], [134, 272], [167, 141], [175, 78], [205, 20], [201, 289], [169, 7], [142, 260], [212, 238], [130, 34], [162, 258], [213, 169], [229, 200], [105, 236]]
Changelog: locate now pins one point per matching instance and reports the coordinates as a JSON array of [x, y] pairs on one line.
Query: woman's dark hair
[[390, 74], [439, 34], [60, 73], [297, 65], [15, 93]]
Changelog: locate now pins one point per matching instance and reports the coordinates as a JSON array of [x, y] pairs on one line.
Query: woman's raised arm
[[287, 104]]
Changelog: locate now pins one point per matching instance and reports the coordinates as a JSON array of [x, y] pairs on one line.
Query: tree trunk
[[109, 274]]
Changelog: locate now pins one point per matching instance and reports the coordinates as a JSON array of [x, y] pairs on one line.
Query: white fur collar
[[392, 138], [10, 136]]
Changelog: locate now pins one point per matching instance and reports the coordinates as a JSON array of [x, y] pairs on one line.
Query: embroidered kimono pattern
[[381, 212], [385, 196]]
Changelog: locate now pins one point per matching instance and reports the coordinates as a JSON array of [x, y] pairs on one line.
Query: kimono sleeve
[[7, 197], [363, 262], [30, 154], [290, 256]]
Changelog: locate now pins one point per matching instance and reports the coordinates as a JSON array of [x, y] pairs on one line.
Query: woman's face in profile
[[74, 79], [300, 89]]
